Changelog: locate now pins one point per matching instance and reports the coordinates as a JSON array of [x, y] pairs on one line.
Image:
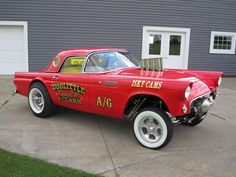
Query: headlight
[[219, 81], [187, 92]]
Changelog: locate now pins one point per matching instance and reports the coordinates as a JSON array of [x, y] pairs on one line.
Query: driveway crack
[[6, 101], [108, 150], [222, 118], [218, 116], [175, 152], [230, 88]]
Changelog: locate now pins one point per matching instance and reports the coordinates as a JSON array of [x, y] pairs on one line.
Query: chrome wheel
[[150, 129], [36, 100], [153, 128]]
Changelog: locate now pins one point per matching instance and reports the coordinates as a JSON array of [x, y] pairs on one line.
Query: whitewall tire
[[153, 128]]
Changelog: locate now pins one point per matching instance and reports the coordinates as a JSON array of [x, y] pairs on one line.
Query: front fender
[[171, 93], [133, 94]]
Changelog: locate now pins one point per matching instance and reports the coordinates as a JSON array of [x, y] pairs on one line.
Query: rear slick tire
[[39, 101], [153, 128]]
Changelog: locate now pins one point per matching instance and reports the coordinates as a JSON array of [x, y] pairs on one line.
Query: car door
[[106, 95], [107, 91], [69, 85]]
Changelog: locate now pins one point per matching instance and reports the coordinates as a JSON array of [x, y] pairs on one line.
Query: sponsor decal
[[68, 86], [63, 94], [104, 102], [68, 97], [77, 61], [56, 61], [146, 84]]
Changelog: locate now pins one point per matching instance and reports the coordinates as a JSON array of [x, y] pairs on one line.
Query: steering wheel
[[115, 65]]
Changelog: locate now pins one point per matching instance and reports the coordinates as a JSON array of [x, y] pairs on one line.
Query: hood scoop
[[152, 64]]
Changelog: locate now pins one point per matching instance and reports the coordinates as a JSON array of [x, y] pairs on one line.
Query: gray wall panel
[[56, 25]]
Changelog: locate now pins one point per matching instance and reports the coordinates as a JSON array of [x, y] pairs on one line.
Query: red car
[[110, 82]]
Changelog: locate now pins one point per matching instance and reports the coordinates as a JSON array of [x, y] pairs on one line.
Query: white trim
[[169, 29], [24, 24], [222, 51]]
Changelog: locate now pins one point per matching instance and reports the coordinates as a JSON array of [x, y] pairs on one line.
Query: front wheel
[[153, 128]]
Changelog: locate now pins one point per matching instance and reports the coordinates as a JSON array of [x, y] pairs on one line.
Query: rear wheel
[[153, 128], [39, 101]]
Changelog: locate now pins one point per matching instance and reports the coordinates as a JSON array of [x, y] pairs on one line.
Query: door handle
[[109, 83], [54, 77]]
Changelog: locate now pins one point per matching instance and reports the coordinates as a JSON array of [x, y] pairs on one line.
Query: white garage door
[[12, 49]]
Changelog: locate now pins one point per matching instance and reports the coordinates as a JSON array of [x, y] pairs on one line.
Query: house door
[[171, 44]]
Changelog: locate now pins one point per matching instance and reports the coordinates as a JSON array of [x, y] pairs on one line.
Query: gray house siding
[[57, 25]]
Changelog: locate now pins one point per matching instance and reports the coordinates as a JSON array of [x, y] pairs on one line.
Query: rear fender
[[23, 80]]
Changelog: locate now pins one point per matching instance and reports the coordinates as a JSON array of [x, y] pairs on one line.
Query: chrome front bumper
[[199, 108], [207, 104], [202, 104]]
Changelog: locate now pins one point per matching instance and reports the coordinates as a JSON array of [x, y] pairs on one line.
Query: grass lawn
[[15, 165]]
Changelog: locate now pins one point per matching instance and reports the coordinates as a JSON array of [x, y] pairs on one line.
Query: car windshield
[[106, 61]]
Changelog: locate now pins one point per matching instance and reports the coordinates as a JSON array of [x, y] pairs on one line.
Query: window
[[222, 42], [106, 61], [154, 44], [72, 65], [175, 44]]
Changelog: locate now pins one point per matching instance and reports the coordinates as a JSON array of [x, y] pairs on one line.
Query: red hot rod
[[110, 82]]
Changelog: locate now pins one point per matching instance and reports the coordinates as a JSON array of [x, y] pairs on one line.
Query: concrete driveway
[[106, 146]]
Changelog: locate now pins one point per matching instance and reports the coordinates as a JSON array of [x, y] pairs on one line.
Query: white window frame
[[24, 24], [222, 51]]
